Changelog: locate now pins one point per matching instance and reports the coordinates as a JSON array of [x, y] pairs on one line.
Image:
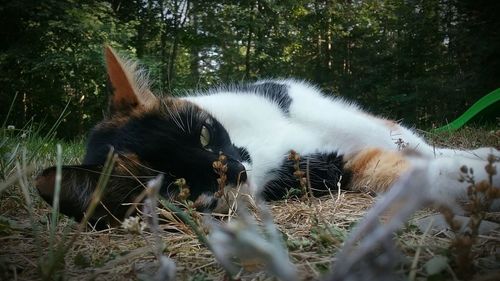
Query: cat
[[271, 134]]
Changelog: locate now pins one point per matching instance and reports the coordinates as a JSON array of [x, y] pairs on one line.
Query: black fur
[[162, 146], [244, 155], [325, 171], [79, 182], [273, 91]]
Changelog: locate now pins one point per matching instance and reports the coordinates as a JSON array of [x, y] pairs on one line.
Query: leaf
[[436, 265]]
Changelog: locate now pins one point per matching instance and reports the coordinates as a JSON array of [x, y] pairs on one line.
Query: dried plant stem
[[413, 269], [23, 182], [220, 168], [480, 197], [185, 218], [151, 215], [299, 174]]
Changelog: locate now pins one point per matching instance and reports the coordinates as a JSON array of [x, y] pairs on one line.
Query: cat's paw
[[452, 178]]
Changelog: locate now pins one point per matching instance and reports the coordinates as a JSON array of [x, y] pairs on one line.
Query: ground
[[313, 230]]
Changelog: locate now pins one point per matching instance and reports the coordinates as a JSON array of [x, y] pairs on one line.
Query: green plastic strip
[[477, 107]]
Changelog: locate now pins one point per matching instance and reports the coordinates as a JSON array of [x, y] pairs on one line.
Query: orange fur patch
[[130, 92], [175, 104], [374, 169], [124, 95], [130, 165], [157, 106]]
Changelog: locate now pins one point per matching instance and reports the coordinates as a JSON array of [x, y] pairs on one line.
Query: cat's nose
[[243, 176], [236, 173]]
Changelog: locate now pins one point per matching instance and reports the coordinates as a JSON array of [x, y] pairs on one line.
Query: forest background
[[425, 61]]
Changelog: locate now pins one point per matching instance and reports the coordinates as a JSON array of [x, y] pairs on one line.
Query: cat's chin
[[221, 204]]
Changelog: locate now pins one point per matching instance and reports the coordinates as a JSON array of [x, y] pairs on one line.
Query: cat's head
[[150, 135]]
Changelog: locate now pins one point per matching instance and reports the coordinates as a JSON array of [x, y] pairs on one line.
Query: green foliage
[[422, 60], [52, 56]]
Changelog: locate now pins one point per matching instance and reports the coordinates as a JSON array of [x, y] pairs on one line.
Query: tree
[[424, 60], [52, 56]]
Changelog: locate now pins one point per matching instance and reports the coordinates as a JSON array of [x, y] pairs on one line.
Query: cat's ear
[[129, 86], [77, 186]]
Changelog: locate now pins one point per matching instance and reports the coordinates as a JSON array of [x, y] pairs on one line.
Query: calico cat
[[255, 127]]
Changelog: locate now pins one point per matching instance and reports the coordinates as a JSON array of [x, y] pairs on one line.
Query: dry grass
[[313, 231], [117, 255]]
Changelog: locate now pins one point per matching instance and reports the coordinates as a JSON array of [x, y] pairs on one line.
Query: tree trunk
[[163, 42], [180, 16], [248, 51], [194, 65]]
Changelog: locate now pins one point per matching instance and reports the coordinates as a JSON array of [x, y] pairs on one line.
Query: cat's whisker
[[174, 115], [112, 175], [188, 120], [179, 118], [139, 163], [176, 118]]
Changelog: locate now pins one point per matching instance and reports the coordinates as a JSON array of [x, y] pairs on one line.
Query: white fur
[[316, 123]]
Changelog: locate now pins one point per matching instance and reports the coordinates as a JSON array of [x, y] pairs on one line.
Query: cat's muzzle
[[236, 173], [234, 179], [221, 203]]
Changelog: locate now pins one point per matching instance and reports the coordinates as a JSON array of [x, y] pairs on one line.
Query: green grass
[[23, 153]]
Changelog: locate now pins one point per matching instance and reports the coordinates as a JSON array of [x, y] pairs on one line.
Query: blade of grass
[[15, 178], [51, 133], [55, 203], [10, 110], [22, 171], [64, 247], [185, 218], [413, 268]]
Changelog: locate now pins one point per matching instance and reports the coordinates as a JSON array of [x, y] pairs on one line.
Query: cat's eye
[[204, 136]]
